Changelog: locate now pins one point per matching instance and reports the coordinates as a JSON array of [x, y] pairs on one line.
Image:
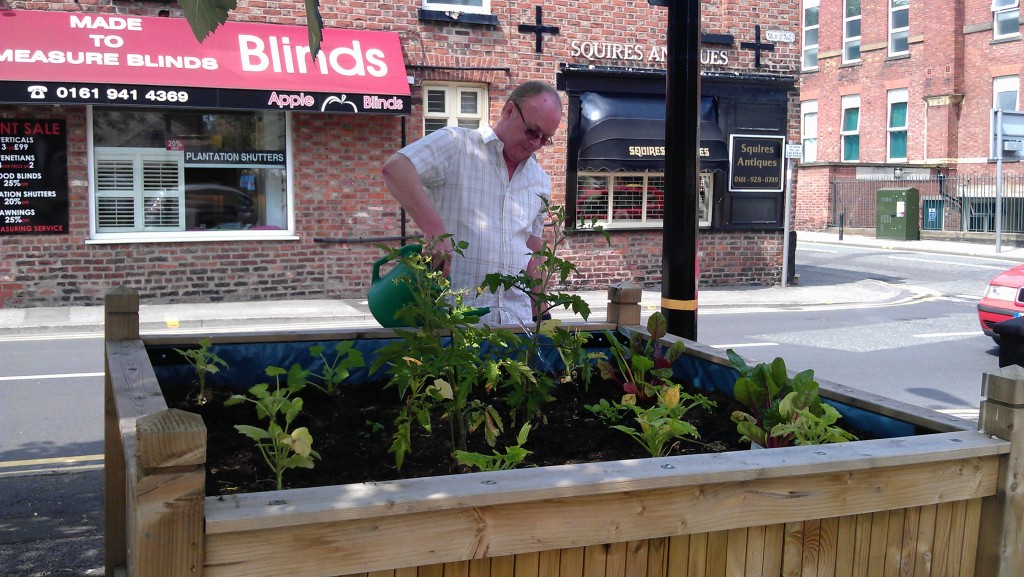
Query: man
[[484, 187]]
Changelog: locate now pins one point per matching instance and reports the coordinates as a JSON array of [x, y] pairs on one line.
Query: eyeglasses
[[531, 133]]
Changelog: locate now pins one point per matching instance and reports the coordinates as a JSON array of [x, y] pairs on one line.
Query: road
[[926, 350]]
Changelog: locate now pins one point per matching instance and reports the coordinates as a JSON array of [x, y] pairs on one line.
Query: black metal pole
[[680, 269]]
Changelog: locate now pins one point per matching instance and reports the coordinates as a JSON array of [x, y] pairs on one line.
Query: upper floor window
[[850, 129], [453, 105], [467, 6], [899, 27], [1005, 18], [810, 38], [1005, 91], [809, 130], [188, 174], [897, 144], [851, 30]]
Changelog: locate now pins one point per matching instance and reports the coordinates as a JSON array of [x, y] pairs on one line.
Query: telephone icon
[[37, 91]]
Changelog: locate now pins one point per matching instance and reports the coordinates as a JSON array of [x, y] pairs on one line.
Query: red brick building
[[897, 90], [237, 169]]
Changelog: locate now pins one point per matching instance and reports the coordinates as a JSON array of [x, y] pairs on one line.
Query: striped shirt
[[466, 178]]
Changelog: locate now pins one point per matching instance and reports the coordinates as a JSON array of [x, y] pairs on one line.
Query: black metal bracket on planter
[[1011, 341]]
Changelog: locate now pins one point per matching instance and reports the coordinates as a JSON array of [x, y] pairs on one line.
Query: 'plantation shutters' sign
[[33, 177]]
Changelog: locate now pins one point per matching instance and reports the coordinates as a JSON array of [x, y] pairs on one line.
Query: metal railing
[[965, 203]]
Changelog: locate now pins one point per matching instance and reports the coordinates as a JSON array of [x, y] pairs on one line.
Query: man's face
[[528, 126]]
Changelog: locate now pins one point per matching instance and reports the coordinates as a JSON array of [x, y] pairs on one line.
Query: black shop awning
[[627, 133]]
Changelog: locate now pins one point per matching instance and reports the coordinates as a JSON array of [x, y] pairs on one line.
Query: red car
[[1004, 299]]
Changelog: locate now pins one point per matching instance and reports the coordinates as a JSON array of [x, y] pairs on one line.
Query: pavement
[[273, 314]]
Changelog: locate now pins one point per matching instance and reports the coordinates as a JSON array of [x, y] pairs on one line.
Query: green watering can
[[388, 294]]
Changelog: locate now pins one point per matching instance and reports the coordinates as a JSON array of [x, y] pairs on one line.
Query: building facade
[[902, 93], [241, 169]]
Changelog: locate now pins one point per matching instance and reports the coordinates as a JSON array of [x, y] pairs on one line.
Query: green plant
[[281, 446], [643, 366], [449, 364], [511, 458], [663, 421], [336, 369], [610, 412], [205, 362], [783, 410]]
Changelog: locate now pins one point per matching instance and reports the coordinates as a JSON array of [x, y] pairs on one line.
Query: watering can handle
[[403, 252]]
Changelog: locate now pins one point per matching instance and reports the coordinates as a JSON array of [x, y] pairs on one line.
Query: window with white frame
[[850, 129], [188, 173], [851, 30], [467, 6], [899, 27], [462, 105], [810, 37], [809, 130], [897, 125], [1005, 18], [621, 198]]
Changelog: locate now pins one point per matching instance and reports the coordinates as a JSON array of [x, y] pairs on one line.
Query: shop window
[[621, 199], [1005, 19], [809, 130], [899, 27], [189, 174], [897, 125], [810, 39], [851, 31], [453, 105], [1005, 96], [850, 129], [466, 6]]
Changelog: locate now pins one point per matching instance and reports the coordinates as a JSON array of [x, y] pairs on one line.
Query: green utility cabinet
[[897, 214]]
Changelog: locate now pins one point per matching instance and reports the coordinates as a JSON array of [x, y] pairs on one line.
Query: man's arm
[[403, 182]]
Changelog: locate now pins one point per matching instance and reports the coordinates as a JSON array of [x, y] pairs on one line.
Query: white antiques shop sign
[[591, 50]]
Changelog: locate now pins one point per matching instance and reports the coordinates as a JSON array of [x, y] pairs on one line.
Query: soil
[[352, 434]]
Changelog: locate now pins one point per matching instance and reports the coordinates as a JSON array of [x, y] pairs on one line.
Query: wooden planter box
[[942, 503]]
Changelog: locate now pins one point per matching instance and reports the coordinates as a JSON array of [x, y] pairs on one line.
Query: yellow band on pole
[[678, 305]]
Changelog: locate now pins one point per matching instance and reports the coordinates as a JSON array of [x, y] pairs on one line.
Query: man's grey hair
[[532, 88]]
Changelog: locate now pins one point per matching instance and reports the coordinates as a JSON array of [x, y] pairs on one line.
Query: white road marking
[[60, 376], [948, 263], [945, 335]]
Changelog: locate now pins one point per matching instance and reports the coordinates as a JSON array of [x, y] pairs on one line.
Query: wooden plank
[[570, 562], [549, 563], [480, 567], [456, 569], [955, 546], [876, 553], [908, 548], [527, 564], [862, 546], [657, 557], [940, 548], [827, 544], [595, 559], [894, 543], [754, 564], [615, 563], [811, 548], [972, 528], [1001, 543], [846, 539], [115, 482], [677, 557], [793, 550], [718, 545], [736, 552], [432, 570], [377, 500], [168, 494], [389, 573], [503, 566], [637, 557], [697, 559], [136, 390], [774, 537], [925, 541]]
